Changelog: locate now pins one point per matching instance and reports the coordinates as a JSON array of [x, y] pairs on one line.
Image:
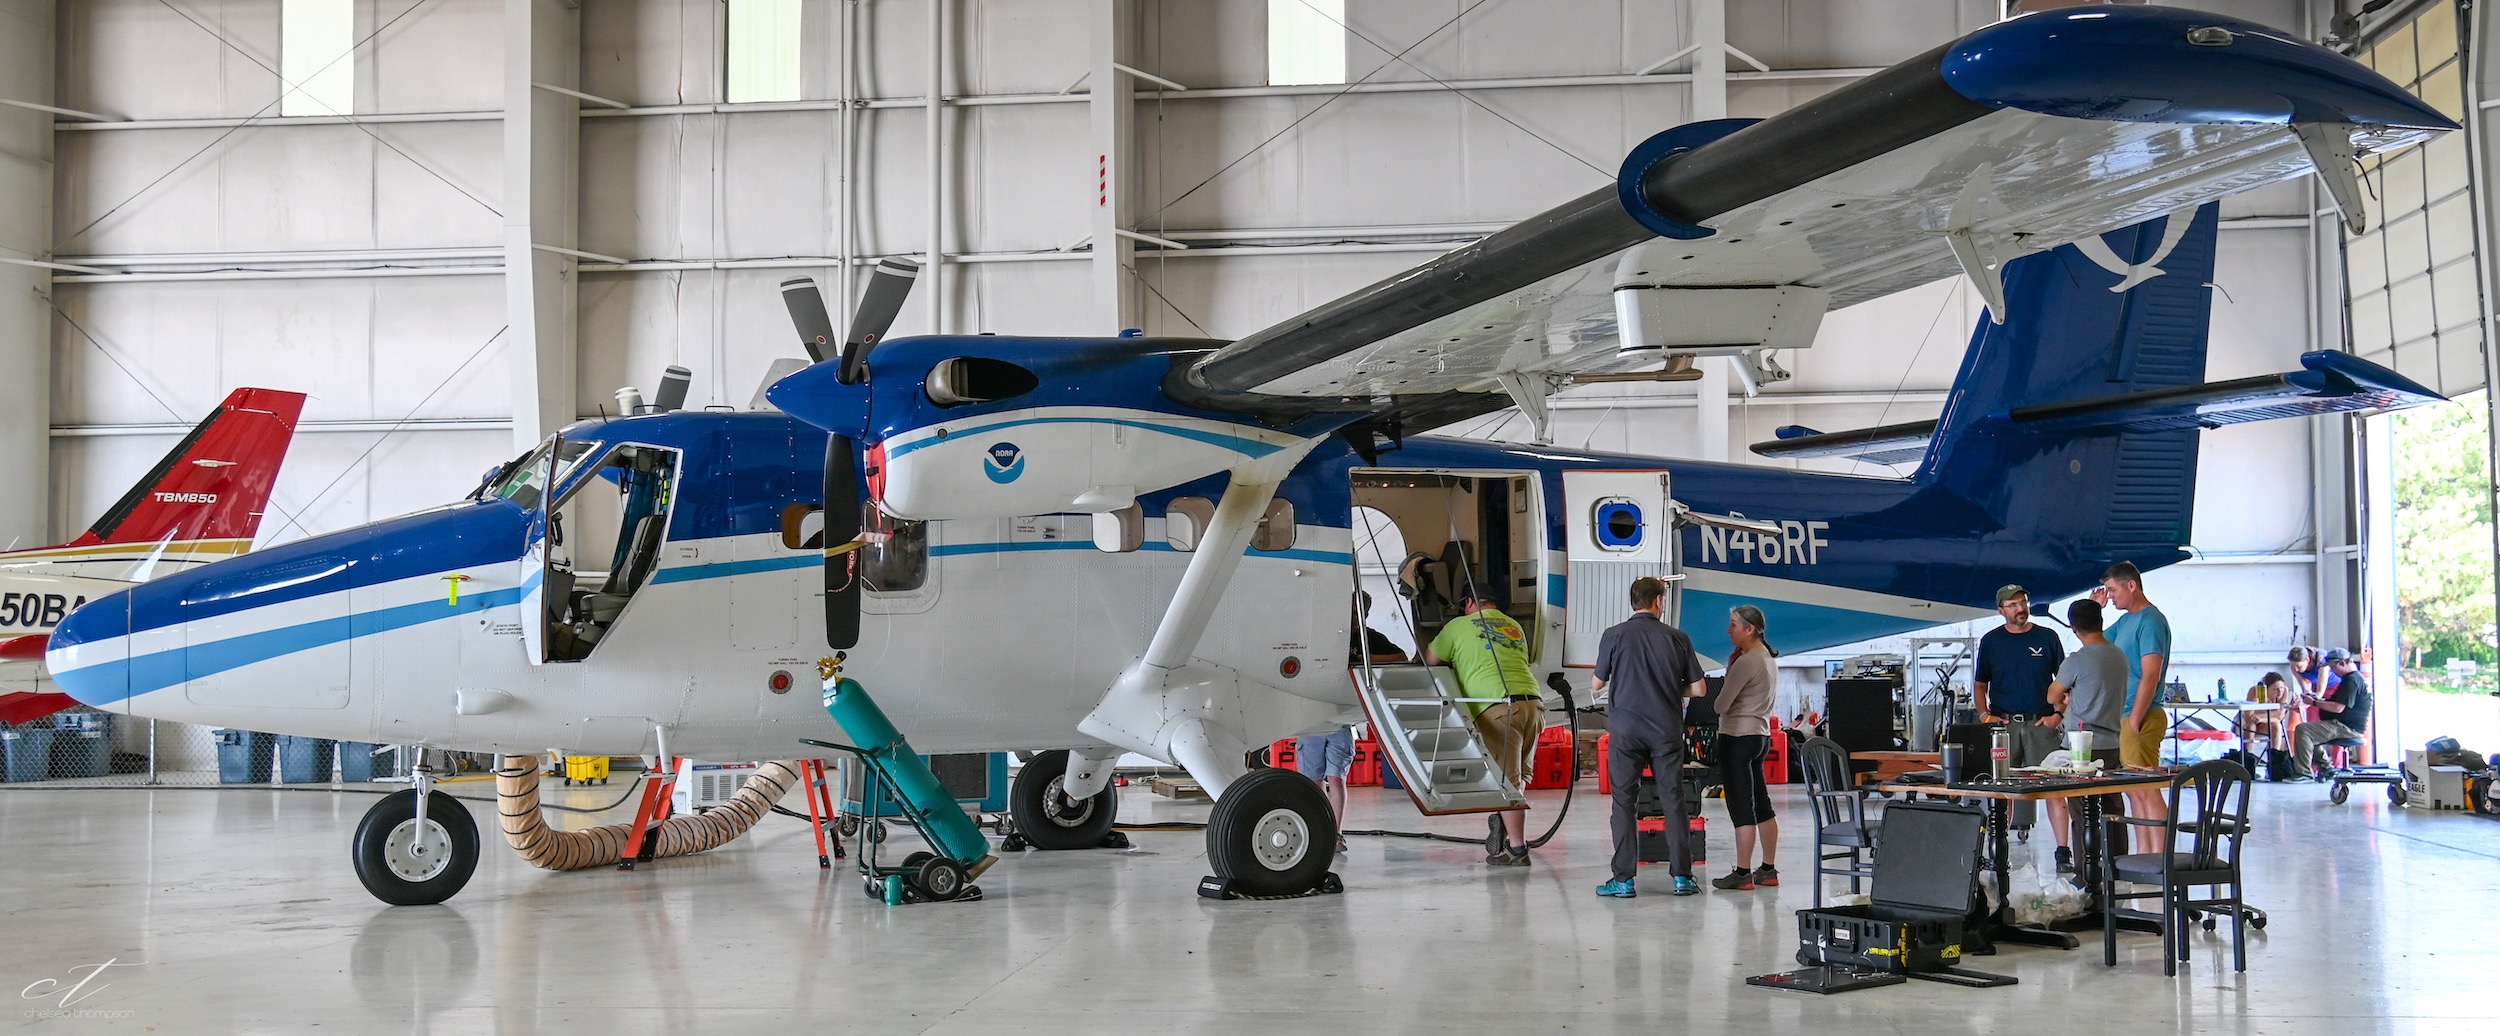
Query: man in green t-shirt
[[1490, 652]]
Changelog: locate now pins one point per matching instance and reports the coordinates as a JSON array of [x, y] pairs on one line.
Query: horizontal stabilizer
[[2328, 383], [1889, 444]]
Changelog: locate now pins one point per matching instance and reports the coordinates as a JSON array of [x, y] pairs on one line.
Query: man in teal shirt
[[2144, 637], [1490, 652]]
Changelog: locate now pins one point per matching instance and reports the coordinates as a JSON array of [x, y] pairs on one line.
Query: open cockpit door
[[1430, 738], [1620, 526]]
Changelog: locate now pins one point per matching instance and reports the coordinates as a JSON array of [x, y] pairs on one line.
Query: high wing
[[1727, 237], [2327, 383]]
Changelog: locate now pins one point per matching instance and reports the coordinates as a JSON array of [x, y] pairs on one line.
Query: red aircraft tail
[[208, 494]]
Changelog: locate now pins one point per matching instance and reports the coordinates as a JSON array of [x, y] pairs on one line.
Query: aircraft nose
[[89, 652]]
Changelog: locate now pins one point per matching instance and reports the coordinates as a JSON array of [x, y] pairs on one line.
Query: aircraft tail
[[205, 498], [2076, 420]]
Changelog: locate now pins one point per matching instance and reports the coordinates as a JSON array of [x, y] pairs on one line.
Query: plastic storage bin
[[357, 762], [304, 760], [243, 757], [28, 754]]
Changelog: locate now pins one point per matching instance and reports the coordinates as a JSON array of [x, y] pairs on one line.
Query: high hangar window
[[763, 50], [316, 57], [2411, 280], [1305, 42]]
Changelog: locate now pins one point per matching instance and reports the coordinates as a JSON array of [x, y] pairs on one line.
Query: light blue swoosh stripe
[[959, 549], [1238, 444], [726, 569], [118, 679]]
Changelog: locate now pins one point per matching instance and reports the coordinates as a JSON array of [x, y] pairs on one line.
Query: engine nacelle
[[1055, 460]]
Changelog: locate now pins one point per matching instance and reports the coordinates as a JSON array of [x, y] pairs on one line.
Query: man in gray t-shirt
[[2091, 690]]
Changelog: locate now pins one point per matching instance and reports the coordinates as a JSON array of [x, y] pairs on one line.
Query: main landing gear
[[407, 861], [1271, 836], [1046, 818]]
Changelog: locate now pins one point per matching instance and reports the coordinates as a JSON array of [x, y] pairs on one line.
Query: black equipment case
[[1926, 866]]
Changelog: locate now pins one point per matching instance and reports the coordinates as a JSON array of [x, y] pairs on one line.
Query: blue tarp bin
[[81, 753], [304, 760], [242, 757], [28, 754], [357, 761]]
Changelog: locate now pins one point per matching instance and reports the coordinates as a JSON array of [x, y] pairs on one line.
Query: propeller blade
[[888, 286], [672, 392], [807, 311], [842, 526]]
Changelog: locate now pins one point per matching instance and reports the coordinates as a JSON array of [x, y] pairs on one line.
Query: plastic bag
[[2041, 898]]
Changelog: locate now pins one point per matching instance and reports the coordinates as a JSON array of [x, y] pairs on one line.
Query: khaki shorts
[[2143, 748], [1509, 731]]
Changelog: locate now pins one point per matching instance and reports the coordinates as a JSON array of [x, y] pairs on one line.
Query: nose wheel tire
[[1047, 817], [405, 861], [1272, 834]]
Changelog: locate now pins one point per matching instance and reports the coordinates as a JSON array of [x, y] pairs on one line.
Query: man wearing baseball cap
[[2344, 713], [2017, 662]]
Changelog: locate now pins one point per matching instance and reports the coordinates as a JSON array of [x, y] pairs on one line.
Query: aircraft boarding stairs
[[1427, 734]]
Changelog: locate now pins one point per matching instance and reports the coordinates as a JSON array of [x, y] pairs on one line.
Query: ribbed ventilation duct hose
[[525, 825]]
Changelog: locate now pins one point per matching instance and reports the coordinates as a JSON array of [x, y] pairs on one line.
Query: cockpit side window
[[518, 481]]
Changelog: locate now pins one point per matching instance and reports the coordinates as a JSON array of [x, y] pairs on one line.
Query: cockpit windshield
[[518, 481]]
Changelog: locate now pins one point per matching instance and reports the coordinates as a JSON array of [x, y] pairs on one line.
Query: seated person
[[2268, 728], [2343, 713], [1368, 644]]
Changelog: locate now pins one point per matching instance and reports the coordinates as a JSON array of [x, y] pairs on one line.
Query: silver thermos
[[2000, 751]]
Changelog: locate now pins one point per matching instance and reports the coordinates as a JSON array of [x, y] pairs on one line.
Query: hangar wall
[[364, 258]]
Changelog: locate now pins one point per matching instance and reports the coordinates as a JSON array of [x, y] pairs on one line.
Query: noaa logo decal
[[1003, 462]]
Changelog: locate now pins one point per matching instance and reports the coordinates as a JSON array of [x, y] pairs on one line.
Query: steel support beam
[[1110, 26], [1709, 101], [26, 49], [541, 198]]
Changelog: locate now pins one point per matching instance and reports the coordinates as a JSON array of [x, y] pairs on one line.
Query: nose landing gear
[[408, 859]]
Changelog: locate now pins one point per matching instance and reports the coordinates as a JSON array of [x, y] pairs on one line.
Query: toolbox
[[1926, 868]]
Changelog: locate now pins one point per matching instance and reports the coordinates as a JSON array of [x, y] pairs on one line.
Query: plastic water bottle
[[2222, 688]]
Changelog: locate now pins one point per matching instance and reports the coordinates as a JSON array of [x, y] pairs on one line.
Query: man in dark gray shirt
[[1647, 668]]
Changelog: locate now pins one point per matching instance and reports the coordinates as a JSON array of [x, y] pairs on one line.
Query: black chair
[[1840, 815], [2208, 805]]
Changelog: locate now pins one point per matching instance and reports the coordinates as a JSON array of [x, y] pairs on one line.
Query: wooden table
[[1889, 765], [2087, 831]]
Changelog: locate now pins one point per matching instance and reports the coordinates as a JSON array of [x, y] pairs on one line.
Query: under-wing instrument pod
[[202, 502], [1098, 546]]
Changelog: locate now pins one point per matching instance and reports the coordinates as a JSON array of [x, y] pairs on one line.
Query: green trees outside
[[2443, 540]]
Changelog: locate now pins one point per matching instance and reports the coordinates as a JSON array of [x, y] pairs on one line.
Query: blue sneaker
[[1620, 888], [1686, 886]]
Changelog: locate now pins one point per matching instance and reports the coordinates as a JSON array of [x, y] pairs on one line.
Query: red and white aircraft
[[201, 503]]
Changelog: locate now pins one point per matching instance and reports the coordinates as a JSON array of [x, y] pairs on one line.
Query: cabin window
[[803, 527], [1121, 531], [896, 558], [1275, 531], [978, 379], [1185, 521]]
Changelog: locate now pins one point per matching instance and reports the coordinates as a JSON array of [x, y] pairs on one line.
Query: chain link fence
[[87, 748]]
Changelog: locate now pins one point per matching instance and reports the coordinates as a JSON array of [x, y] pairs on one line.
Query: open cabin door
[[1426, 731], [1619, 526]]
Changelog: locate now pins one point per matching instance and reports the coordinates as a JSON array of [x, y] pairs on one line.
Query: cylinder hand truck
[[963, 852]]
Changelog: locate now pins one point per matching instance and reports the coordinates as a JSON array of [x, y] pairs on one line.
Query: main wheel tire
[[941, 879], [2339, 793], [406, 863], [1272, 834], [1047, 817]]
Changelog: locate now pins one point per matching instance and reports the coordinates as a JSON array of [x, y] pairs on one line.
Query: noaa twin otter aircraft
[[201, 503], [1098, 546]]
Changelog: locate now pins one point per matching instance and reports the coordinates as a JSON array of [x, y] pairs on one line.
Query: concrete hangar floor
[[235, 911]]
